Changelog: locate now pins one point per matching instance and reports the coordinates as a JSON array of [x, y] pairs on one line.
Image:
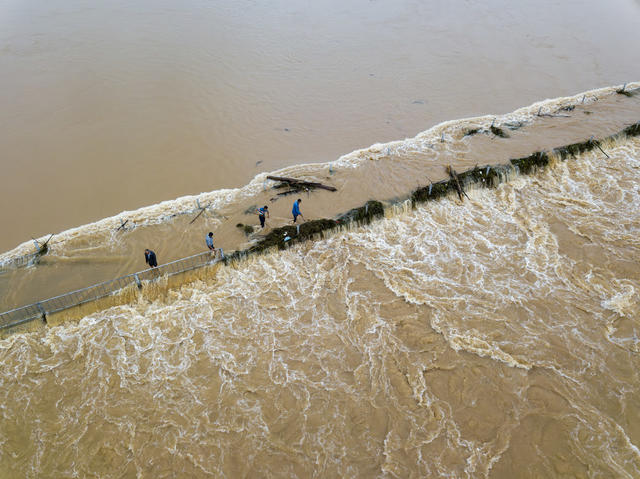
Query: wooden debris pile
[[295, 185]]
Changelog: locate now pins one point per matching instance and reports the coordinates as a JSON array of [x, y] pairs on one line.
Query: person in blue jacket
[[296, 210], [261, 212]]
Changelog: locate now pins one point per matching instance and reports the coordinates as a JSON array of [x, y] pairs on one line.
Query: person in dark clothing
[[261, 212], [150, 258]]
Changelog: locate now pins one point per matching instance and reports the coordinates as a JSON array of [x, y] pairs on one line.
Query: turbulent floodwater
[[494, 337], [497, 337], [174, 229]]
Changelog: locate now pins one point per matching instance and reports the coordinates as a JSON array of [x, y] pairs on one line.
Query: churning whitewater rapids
[[491, 337]]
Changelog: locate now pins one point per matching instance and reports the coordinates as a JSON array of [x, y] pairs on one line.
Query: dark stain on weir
[[247, 229], [530, 163], [285, 235], [576, 148], [632, 130]]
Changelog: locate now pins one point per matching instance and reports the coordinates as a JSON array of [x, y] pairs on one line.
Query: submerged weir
[[487, 176]]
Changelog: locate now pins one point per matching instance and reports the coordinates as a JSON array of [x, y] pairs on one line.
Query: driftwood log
[[454, 176], [299, 185]]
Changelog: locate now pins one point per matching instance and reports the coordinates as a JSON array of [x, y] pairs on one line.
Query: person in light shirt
[[209, 241]]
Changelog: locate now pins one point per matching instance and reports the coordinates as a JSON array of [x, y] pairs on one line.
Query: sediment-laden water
[[494, 337], [108, 106], [175, 229]]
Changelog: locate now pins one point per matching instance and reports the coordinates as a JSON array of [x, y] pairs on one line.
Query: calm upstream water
[[495, 337]]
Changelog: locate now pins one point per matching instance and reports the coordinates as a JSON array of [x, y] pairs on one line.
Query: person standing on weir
[[261, 212], [296, 210], [150, 258], [209, 241]]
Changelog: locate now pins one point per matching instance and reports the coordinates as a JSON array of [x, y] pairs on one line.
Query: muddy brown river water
[[492, 337]]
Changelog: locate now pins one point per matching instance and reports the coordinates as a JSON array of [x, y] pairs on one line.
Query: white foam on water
[[623, 302]]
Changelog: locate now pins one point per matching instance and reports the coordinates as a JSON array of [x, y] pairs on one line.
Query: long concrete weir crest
[[488, 176]]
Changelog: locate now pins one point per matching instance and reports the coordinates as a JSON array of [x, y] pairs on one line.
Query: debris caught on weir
[[498, 132], [295, 185], [552, 115], [454, 176], [624, 91], [42, 248], [122, 225]]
